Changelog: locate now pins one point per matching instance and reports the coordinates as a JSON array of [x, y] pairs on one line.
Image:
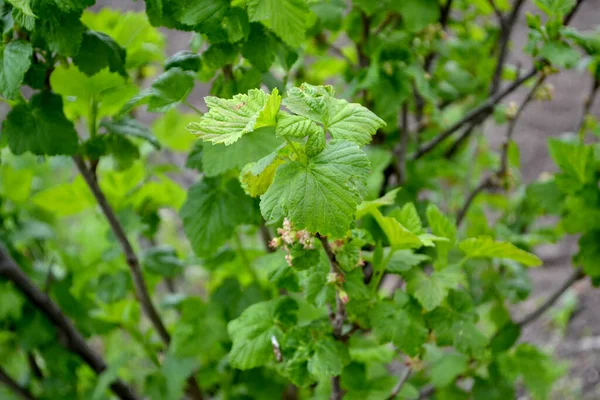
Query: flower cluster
[[288, 237]]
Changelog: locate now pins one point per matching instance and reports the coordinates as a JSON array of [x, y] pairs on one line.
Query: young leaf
[[486, 247], [431, 290], [107, 89], [212, 211], [367, 207], [256, 177], [409, 218], [40, 127], [219, 158], [295, 126], [15, 59], [228, 119], [398, 236], [343, 120], [322, 195], [253, 331]]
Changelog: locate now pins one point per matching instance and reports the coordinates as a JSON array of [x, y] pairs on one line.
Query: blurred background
[[572, 328]]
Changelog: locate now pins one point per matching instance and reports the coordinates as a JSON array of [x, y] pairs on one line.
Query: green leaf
[[66, 198], [162, 260], [409, 218], [98, 51], [60, 32], [199, 319], [441, 226], [253, 331], [287, 18], [132, 128], [211, 213], [219, 158], [322, 195], [315, 144], [367, 207], [343, 120], [560, 54], [167, 91], [170, 130], [326, 360], [108, 90], [398, 236], [404, 260], [23, 5], [260, 48], [15, 60], [295, 126], [558, 8], [417, 14], [186, 60], [444, 367], [40, 127], [228, 119], [132, 31], [197, 12], [393, 324], [486, 247], [432, 290], [256, 177]]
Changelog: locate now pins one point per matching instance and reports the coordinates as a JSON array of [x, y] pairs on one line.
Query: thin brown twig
[[403, 378], [493, 179], [588, 103], [575, 276], [513, 123], [338, 317], [70, 336], [507, 26], [486, 183], [20, 391], [131, 258], [479, 112], [266, 238], [141, 290], [400, 149], [497, 11]]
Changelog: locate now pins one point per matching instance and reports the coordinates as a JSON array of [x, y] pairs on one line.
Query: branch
[[507, 26], [400, 150], [337, 318], [141, 290], [572, 13], [403, 378], [575, 276], [493, 179], [15, 387], [71, 338], [486, 183], [132, 260], [483, 110], [513, 123], [497, 11], [266, 238], [588, 103]]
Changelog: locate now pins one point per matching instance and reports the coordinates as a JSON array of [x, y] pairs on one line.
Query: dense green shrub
[[347, 232]]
